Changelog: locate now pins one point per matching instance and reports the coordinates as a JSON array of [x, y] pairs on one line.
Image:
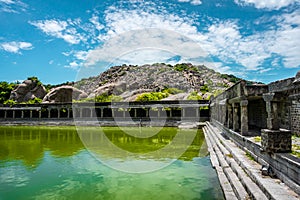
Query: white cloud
[[139, 36], [59, 29], [12, 6], [95, 21], [193, 2], [267, 4], [15, 47]]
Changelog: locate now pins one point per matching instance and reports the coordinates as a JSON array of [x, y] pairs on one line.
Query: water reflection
[[30, 143]]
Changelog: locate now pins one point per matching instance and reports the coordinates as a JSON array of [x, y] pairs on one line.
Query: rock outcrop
[[127, 81], [64, 94], [28, 90]]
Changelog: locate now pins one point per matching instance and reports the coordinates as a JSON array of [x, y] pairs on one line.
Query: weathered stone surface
[[28, 90], [276, 141], [64, 94]]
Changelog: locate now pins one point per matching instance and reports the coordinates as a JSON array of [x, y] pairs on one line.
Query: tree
[[5, 90]]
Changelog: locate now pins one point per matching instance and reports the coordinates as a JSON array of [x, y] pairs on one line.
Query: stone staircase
[[240, 177]]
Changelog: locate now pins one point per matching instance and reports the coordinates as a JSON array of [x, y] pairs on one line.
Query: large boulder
[[28, 90], [64, 94], [111, 88]]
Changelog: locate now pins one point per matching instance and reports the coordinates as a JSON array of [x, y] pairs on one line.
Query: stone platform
[[239, 174]]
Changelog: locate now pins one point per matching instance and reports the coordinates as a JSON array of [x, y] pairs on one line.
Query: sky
[[60, 41]]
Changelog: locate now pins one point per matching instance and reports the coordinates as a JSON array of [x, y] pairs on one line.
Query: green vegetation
[[172, 91], [250, 156], [34, 101], [257, 139], [107, 98], [204, 89], [194, 96], [185, 67], [152, 96], [35, 79], [5, 90], [217, 92], [230, 77], [9, 102]]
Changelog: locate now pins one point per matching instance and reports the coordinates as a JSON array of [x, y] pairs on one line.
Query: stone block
[[276, 141]]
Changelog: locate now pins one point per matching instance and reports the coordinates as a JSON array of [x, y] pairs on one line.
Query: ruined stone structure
[[272, 111], [169, 110]]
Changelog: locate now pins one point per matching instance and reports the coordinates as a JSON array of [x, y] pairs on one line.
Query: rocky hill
[[128, 83], [181, 81]]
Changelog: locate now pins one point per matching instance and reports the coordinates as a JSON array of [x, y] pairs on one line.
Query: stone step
[[250, 186], [234, 180], [249, 172], [224, 182]]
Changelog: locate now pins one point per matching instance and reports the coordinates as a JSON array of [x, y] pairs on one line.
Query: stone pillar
[[158, 112], [197, 112], [22, 114], [68, 114], [271, 106], [230, 116], [274, 139], [183, 112], [101, 112], [171, 113], [135, 112], [80, 112], [235, 123], [30, 114], [112, 112], [58, 113], [40, 114], [5, 114], [147, 112], [124, 113], [49, 113], [14, 114], [244, 117]]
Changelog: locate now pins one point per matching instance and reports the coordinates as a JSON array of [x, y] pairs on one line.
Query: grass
[[250, 156], [257, 139]]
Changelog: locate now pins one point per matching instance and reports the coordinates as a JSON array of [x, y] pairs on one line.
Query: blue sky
[[61, 41]]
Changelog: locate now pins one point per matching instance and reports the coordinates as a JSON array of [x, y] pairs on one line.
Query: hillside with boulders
[[128, 83], [178, 82]]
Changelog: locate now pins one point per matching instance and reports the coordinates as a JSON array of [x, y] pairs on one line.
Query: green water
[[54, 163]]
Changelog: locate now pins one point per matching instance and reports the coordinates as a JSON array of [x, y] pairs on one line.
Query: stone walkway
[[240, 177]]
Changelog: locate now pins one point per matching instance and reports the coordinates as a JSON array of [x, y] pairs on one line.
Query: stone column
[[40, 114], [49, 113], [158, 112], [58, 113], [135, 112], [235, 123], [124, 112], [30, 114], [244, 117], [5, 114], [112, 112], [197, 112], [14, 114], [171, 113], [101, 112], [230, 116], [271, 107], [183, 112], [22, 114], [80, 112], [68, 114]]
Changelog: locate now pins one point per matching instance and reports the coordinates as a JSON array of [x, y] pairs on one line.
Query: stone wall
[[295, 117]]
